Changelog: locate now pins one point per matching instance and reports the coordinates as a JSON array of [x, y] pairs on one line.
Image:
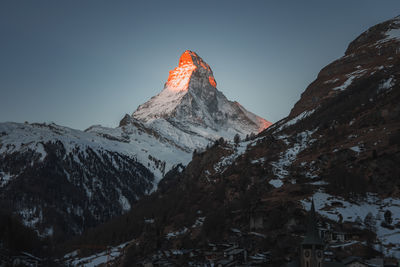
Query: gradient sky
[[79, 63]]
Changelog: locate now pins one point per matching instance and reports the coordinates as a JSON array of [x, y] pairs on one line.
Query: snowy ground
[[94, 260]]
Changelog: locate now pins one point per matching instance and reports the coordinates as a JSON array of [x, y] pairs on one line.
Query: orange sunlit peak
[[179, 78], [191, 58], [186, 58], [212, 81]]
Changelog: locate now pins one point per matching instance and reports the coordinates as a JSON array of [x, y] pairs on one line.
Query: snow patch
[[386, 84], [299, 117], [124, 202], [276, 183], [319, 183], [149, 221], [40, 149], [177, 233], [393, 34], [331, 81], [356, 149], [258, 161], [199, 222], [31, 216], [350, 78], [5, 178], [47, 232]]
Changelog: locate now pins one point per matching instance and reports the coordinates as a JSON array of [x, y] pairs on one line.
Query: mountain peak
[[191, 103], [191, 58], [180, 77], [187, 58]]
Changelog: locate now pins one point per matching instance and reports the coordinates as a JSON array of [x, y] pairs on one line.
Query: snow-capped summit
[[192, 72], [191, 103]]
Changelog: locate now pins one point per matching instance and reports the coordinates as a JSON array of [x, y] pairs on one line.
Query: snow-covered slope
[[150, 148], [104, 171], [57, 178]]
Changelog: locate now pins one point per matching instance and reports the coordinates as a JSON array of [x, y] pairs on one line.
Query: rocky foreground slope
[[339, 146]]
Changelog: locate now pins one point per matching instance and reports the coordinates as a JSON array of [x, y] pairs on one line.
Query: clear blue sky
[[80, 63]]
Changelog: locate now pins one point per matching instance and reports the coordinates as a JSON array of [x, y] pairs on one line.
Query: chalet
[[330, 235], [329, 255], [259, 258], [228, 250], [325, 233], [26, 259], [390, 262], [238, 254], [257, 219], [226, 263], [375, 262], [354, 262]]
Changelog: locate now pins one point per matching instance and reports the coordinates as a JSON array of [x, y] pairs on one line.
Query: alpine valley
[[178, 194]]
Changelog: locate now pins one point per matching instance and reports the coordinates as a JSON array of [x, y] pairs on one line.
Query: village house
[[354, 262], [257, 219]]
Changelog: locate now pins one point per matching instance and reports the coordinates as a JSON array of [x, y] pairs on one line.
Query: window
[[319, 254]]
